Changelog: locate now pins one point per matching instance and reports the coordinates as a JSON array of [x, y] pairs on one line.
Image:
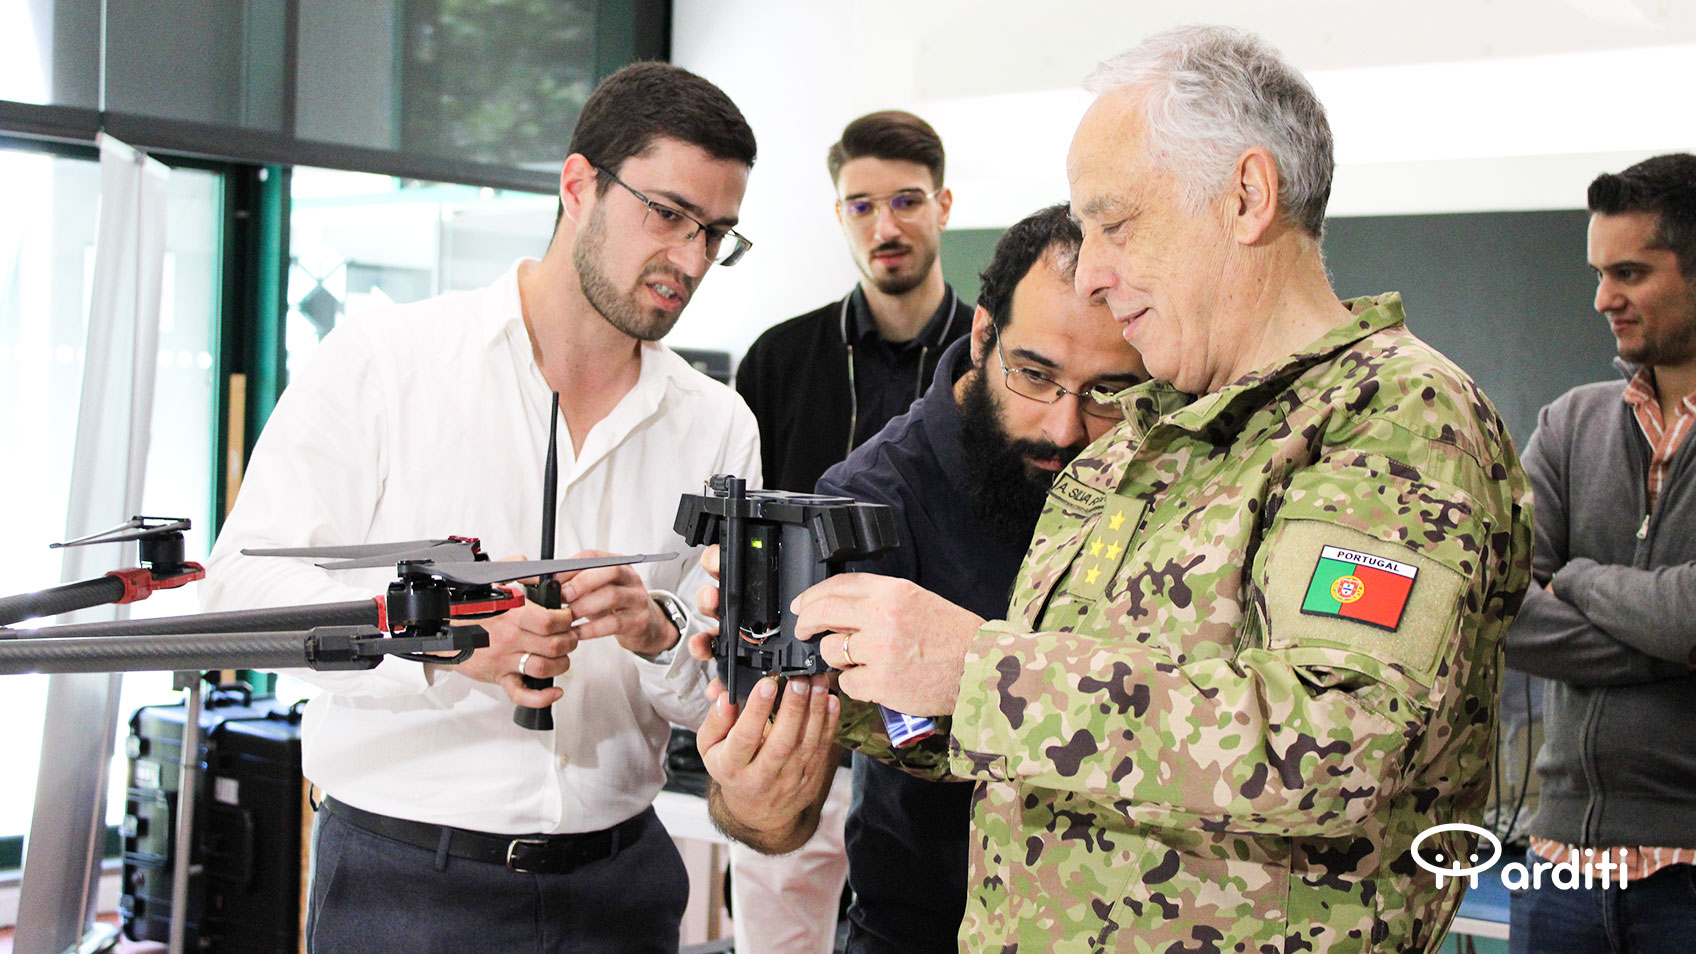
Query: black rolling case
[[247, 820]]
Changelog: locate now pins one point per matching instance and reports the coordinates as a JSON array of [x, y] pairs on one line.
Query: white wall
[[1441, 106], [790, 75]]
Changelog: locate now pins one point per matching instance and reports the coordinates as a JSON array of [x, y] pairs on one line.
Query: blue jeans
[[1646, 917]]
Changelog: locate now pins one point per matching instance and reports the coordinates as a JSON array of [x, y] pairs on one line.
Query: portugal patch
[[1358, 586]]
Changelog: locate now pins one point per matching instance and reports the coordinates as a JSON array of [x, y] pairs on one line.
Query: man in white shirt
[[432, 419]]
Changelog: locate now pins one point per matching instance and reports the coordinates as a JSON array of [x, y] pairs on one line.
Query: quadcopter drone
[[451, 577], [774, 545], [437, 581]]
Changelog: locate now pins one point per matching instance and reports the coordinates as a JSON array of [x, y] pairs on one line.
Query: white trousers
[[788, 904]]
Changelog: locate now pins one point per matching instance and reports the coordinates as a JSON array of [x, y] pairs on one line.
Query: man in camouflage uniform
[[1254, 649]]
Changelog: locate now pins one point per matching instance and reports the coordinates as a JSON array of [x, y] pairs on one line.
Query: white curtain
[[114, 420], [108, 471]]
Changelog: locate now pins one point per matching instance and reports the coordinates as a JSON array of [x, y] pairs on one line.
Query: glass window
[[50, 52], [497, 83], [433, 81], [360, 241], [46, 269], [227, 69]]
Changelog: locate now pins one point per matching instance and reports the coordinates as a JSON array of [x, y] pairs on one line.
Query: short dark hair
[[1048, 232], [650, 100], [1665, 186], [888, 134]]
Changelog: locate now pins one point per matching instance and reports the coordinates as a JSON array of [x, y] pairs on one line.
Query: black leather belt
[[537, 854]]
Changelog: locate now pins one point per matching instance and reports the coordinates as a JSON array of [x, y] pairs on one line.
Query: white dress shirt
[[429, 420]]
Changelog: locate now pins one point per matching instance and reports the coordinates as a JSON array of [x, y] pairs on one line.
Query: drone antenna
[[550, 483], [546, 591]]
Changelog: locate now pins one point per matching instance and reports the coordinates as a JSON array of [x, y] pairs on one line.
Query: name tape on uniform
[[1077, 495]]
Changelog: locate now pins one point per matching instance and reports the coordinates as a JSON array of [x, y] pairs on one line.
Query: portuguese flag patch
[[1358, 586]]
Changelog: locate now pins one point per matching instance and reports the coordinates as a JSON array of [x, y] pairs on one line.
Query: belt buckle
[[512, 864]]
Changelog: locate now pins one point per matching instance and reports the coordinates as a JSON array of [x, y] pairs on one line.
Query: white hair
[[1210, 92]]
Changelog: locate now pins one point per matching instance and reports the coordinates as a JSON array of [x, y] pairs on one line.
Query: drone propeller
[[381, 554], [135, 528], [442, 553], [487, 573]]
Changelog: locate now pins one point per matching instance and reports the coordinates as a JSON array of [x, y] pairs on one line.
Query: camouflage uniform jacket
[[1253, 652]]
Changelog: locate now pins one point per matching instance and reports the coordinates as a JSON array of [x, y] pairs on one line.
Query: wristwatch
[[673, 609]]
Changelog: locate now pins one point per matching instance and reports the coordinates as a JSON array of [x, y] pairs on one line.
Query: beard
[[1003, 490], [899, 283], [1673, 345], [621, 309]]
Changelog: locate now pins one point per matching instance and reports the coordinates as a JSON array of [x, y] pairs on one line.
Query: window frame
[[255, 169], [624, 32]]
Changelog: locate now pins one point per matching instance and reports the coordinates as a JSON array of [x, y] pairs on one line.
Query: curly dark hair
[[1049, 231], [1664, 185]]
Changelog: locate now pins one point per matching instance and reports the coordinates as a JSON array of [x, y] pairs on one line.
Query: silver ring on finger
[[523, 661], [847, 656]]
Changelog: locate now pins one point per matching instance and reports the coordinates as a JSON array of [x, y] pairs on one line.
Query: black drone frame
[[773, 545], [160, 540], [438, 581]]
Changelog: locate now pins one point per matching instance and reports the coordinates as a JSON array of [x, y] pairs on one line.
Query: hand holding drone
[[447, 579], [773, 545]]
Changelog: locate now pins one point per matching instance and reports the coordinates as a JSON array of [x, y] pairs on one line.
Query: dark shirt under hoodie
[[795, 378]]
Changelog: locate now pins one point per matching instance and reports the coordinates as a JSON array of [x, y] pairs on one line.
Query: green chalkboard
[[1507, 295], [965, 253]]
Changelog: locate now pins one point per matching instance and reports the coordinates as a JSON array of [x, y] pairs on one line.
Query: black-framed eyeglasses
[[904, 204], [676, 227], [1030, 383]]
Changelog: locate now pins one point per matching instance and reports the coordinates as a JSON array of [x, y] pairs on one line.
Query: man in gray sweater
[[1611, 621]]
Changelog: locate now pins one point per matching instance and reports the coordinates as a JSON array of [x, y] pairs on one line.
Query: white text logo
[[1595, 871]]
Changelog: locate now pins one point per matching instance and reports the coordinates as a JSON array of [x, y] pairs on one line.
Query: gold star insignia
[[1091, 576], [1095, 548], [1117, 521], [1113, 552]]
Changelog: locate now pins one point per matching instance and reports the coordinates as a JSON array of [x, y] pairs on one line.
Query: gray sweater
[[1615, 631]]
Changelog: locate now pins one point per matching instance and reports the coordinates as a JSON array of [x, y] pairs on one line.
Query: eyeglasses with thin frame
[[676, 227], [904, 204], [1030, 383]]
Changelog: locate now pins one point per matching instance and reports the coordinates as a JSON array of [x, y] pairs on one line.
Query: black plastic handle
[[544, 594]]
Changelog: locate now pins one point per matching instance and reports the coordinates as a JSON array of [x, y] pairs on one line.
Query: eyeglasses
[[904, 204], [676, 228], [1096, 402]]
